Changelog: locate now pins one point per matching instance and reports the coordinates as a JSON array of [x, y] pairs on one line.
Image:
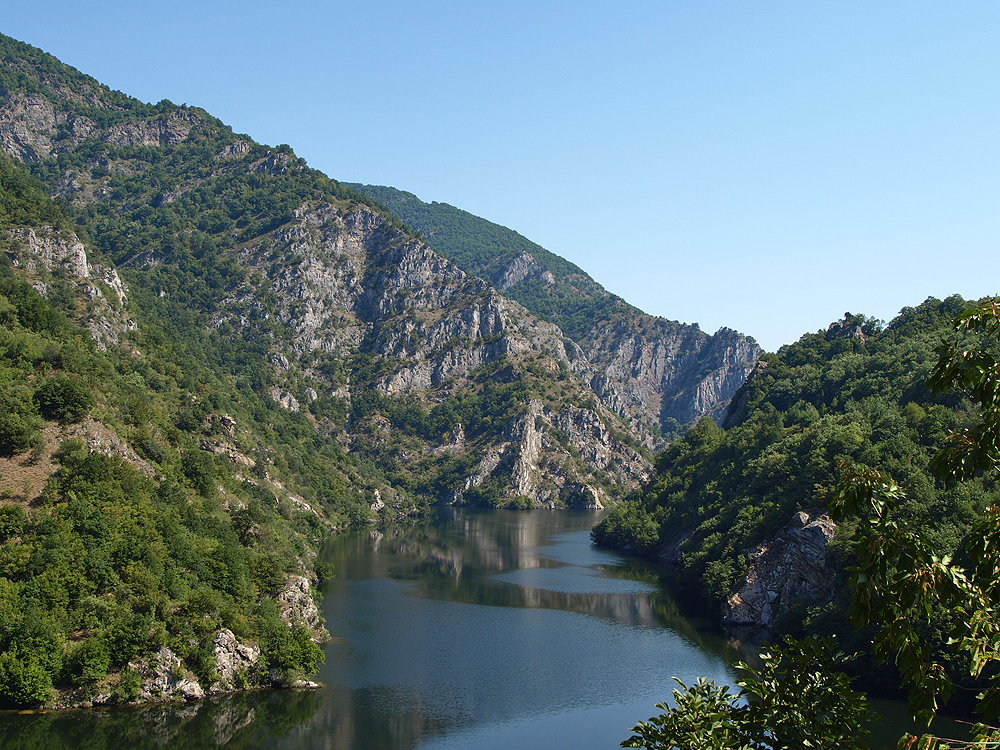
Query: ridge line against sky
[[764, 167]]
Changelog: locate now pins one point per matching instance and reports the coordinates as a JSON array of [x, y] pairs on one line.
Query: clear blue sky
[[764, 166]]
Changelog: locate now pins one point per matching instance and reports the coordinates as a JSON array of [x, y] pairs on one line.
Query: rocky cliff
[[49, 257], [346, 316], [657, 374], [789, 569]]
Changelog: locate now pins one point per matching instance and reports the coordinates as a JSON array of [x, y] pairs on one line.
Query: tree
[[902, 583], [64, 398], [902, 586], [797, 699]]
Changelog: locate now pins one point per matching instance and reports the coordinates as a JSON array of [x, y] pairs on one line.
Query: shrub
[[64, 398]]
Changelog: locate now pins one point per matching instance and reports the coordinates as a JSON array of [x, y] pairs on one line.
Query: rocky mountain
[[317, 297], [658, 374]]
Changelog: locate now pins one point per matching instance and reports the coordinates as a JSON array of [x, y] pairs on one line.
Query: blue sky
[[764, 166]]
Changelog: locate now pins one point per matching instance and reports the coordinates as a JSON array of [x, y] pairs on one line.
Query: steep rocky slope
[[658, 374], [317, 298]]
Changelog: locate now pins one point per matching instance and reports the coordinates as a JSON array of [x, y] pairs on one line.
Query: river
[[478, 630]]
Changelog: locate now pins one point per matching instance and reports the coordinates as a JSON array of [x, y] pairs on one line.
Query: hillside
[[307, 293], [739, 510], [547, 285], [659, 374], [131, 519]]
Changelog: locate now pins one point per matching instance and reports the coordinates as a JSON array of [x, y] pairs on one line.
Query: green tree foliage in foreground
[[795, 700], [903, 583]]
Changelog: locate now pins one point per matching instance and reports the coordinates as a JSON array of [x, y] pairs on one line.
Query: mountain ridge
[[632, 357]]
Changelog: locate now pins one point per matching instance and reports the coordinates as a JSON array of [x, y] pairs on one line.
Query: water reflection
[[247, 720], [484, 625], [482, 629]]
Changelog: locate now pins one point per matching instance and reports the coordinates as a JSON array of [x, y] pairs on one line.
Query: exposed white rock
[[163, 677], [236, 663], [296, 604], [284, 398], [44, 250]]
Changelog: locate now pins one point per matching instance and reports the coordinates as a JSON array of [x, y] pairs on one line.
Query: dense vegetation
[[909, 588], [573, 300], [103, 563], [720, 492]]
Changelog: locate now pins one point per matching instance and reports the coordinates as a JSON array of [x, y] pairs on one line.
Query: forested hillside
[[123, 528], [856, 392]]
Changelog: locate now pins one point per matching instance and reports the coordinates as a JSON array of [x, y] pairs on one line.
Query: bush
[[18, 424], [90, 662], [12, 521], [23, 681], [64, 398]]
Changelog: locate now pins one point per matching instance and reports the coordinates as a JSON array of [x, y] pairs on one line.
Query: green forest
[[104, 563], [922, 553], [824, 400]]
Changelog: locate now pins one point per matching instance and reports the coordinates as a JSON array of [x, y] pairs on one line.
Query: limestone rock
[[842, 329], [790, 567], [44, 250], [652, 371], [236, 663], [296, 604], [164, 678]]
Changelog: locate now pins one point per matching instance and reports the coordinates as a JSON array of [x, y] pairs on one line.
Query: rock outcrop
[[655, 372], [789, 568], [164, 678], [45, 252], [296, 604], [237, 664]]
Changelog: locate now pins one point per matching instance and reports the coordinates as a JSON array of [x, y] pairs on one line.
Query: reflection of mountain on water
[[370, 719], [514, 559], [483, 542]]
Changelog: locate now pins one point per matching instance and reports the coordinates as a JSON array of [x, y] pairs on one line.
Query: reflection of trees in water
[[382, 718], [243, 720]]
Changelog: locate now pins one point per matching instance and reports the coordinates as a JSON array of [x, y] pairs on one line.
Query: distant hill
[[546, 284]]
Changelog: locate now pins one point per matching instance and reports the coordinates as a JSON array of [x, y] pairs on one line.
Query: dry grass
[[23, 476]]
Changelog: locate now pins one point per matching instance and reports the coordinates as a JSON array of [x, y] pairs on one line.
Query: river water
[[478, 630]]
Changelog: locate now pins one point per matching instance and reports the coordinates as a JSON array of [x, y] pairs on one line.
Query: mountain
[[312, 294], [658, 374]]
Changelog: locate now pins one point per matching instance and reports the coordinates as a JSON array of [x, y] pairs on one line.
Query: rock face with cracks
[[789, 568]]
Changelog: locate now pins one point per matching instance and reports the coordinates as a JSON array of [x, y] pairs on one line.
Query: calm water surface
[[475, 630]]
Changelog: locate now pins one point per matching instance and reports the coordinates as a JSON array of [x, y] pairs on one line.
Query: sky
[[762, 166]]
